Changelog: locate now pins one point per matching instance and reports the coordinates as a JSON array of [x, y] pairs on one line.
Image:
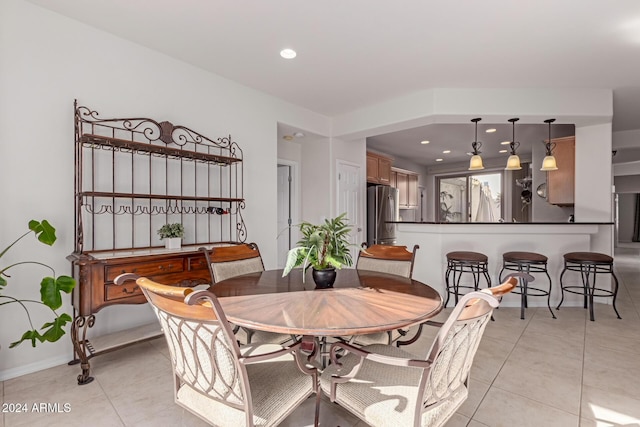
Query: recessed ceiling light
[[424, 142], [502, 151], [446, 151], [492, 130], [288, 53], [298, 135], [505, 143], [438, 160]]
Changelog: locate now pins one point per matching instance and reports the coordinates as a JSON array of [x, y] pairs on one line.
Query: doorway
[[351, 201], [287, 208]]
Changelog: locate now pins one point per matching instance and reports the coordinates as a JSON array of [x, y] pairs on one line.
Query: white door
[[350, 200], [284, 213]]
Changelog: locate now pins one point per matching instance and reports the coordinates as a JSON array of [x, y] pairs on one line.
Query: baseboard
[[33, 367]]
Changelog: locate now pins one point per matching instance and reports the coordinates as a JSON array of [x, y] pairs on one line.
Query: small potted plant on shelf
[[324, 248], [51, 288], [172, 235]]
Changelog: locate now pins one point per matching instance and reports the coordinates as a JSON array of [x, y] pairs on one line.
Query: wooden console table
[[95, 290]]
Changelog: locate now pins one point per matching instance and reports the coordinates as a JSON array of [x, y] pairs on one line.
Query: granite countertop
[[500, 223]]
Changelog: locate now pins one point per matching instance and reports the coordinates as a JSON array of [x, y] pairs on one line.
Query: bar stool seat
[[460, 262], [589, 264], [528, 262]]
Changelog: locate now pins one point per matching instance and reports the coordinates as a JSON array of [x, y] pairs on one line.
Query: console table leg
[[82, 347]]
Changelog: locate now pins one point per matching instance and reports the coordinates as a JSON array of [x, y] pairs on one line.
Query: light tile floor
[[533, 372]]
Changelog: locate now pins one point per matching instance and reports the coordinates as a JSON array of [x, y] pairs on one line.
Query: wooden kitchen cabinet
[[561, 182], [412, 190], [401, 185], [378, 169], [407, 184]]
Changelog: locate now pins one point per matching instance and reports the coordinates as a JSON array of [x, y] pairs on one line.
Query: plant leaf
[[44, 231], [31, 335], [55, 331], [3, 282], [292, 260], [51, 288]]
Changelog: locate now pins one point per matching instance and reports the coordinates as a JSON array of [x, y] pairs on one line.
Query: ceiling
[[356, 53], [457, 139]]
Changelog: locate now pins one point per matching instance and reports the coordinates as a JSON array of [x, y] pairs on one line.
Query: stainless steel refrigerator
[[382, 206]]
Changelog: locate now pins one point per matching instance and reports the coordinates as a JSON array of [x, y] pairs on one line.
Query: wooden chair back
[[229, 261], [387, 259]]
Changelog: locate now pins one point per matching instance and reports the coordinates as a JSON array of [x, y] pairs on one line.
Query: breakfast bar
[[553, 240]]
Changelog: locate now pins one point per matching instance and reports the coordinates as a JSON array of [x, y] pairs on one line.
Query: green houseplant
[[171, 233], [51, 288], [323, 247]]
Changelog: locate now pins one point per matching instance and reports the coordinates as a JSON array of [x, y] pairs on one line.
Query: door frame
[[294, 198], [361, 235]]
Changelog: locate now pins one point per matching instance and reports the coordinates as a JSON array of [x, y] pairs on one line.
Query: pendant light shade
[[549, 162], [476, 161], [513, 162]]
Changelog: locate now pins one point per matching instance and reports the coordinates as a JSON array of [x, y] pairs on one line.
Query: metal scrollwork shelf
[[133, 175]]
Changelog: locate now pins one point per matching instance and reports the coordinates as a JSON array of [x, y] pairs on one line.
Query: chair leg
[[485, 272], [446, 281], [590, 291], [456, 285], [615, 293], [549, 294], [562, 287], [316, 418], [523, 295]]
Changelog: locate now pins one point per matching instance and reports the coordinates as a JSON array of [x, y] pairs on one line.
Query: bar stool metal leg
[[589, 265]]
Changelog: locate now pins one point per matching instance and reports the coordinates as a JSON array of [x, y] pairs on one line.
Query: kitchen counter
[[501, 223], [493, 239]]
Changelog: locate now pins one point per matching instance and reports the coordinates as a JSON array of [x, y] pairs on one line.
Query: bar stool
[[460, 262], [527, 262], [588, 264]]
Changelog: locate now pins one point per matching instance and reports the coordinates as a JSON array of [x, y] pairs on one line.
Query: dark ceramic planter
[[324, 278]]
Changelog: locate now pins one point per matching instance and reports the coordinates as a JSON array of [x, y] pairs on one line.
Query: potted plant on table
[[324, 248], [172, 235], [50, 290]]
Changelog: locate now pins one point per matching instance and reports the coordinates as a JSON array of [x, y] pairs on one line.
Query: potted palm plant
[[172, 235], [324, 248]]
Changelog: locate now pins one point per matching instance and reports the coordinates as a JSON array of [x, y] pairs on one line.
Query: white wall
[[47, 61], [626, 214], [316, 190]]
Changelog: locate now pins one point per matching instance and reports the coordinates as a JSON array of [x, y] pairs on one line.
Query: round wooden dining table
[[360, 302]]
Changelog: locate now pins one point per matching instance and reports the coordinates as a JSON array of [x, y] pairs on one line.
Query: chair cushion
[[225, 270], [392, 401], [277, 387], [400, 268]]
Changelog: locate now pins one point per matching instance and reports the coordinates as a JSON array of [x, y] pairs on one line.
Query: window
[[470, 198]]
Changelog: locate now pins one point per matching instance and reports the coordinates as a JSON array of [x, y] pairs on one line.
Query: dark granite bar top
[[500, 223]]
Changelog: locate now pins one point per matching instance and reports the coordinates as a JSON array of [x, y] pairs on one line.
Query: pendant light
[[476, 161], [549, 162], [513, 162]]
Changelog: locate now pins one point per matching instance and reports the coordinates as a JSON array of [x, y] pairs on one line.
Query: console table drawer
[[127, 290], [144, 269], [197, 263]]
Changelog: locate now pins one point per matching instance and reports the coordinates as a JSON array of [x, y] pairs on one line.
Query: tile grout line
[[584, 355], [499, 370], [527, 397]]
